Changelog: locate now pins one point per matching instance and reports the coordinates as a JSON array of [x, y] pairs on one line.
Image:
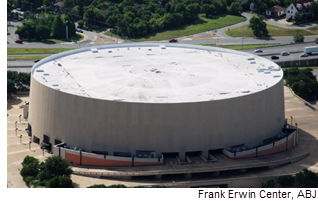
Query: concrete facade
[[103, 125]]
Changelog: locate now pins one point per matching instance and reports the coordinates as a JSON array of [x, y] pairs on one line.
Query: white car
[[285, 53], [258, 51], [303, 55]]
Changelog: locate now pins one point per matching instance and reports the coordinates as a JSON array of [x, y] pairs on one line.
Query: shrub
[[28, 179]]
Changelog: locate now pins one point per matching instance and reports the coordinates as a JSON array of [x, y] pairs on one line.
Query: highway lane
[[294, 49]]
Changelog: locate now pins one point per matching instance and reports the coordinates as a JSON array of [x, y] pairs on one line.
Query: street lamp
[[30, 145], [291, 120], [42, 150], [16, 131], [20, 118], [15, 124], [66, 29], [20, 139]]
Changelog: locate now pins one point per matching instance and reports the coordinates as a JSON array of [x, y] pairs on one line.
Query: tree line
[[45, 26], [302, 82], [17, 82], [129, 18], [303, 179], [55, 172]]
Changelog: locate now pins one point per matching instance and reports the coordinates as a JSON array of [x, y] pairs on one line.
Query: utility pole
[[66, 30]]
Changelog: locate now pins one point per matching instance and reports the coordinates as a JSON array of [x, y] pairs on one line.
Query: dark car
[[19, 41], [79, 30], [173, 40], [274, 57]]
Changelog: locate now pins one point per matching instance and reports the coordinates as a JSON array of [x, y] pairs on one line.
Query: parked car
[[258, 51], [19, 41], [173, 40], [285, 53], [289, 19], [274, 57], [79, 30], [303, 55]]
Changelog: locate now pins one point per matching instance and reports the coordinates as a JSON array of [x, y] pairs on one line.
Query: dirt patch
[[207, 36], [102, 40]]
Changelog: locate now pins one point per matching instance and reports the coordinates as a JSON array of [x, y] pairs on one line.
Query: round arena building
[[141, 98]]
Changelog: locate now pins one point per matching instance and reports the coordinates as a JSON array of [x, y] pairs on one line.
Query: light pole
[[30, 145], [66, 30], [16, 131], [20, 117], [296, 132], [15, 124], [42, 150], [20, 139], [291, 120]]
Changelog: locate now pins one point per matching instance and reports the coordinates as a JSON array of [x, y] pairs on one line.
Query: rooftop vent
[[46, 74], [251, 58], [149, 49], [162, 46], [252, 62], [59, 64], [39, 70], [55, 85], [110, 51]]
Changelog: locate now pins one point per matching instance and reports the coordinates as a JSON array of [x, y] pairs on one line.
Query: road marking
[[309, 167]]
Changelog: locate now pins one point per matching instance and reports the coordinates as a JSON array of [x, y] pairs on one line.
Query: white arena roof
[[157, 73]]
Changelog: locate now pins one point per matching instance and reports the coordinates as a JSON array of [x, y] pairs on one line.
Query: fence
[[296, 63], [91, 159], [275, 147]]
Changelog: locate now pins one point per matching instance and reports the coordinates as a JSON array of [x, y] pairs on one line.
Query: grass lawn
[[315, 29], [301, 67], [108, 33], [273, 31], [11, 50], [202, 25], [14, 58], [75, 38]]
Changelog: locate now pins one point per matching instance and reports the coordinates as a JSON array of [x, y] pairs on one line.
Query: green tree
[[298, 37], [56, 166], [11, 89], [97, 186], [209, 10], [30, 167], [235, 8], [70, 25], [59, 182], [92, 16], [307, 178], [313, 8], [258, 26], [286, 181], [80, 23], [58, 28], [297, 18], [269, 183], [43, 31]]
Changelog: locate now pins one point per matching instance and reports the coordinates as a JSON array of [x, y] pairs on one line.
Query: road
[[294, 49]]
